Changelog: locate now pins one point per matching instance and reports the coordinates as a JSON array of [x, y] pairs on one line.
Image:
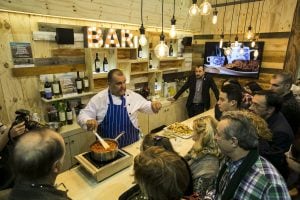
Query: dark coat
[[282, 138], [291, 110], [208, 83]]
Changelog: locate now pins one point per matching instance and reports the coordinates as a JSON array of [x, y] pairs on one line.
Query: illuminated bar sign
[[95, 37]]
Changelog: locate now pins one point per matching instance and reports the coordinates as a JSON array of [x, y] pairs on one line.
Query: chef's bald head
[[38, 154]]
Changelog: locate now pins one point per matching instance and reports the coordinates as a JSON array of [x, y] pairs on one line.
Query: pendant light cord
[[257, 16], [237, 26], [224, 15], [262, 8], [174, 9], [246, 20], [232, 19], [162, 16], [251, 13], [142, 11]]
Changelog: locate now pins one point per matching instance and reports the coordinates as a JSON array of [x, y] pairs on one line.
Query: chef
[[114, 110]]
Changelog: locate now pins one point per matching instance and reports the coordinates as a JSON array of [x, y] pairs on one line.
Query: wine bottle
[[140, 52], [48, 89], [86, 83], [61, 113], [79, 85], [97, 64], [150, 61], [56, 87], [69, 114], [171, 50], [105, 64]]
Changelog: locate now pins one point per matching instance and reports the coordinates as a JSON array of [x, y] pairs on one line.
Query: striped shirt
[[261, 182]]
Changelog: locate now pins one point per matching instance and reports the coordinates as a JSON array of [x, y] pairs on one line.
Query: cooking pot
[[101, 154]]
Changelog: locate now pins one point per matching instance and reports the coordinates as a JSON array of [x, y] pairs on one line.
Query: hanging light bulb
[[236, 41], [249, 33], [221, 41], [143, 39], [215, 17], [255, 53], [173, 33], [205, 8], [253, 43], [194, 9], [242, 51], [161, 50]]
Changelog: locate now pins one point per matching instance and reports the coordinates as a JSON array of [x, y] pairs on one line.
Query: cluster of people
[[248, 150]]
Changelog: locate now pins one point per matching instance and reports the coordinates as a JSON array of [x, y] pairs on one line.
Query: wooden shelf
[[68, 96], [138, 73], [51, 69], [171, 59], [140, 60], [99, 75]]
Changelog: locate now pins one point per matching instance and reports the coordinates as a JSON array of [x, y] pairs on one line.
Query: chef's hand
[[156, 106], [171, 99], [91, 124], [17, 130]]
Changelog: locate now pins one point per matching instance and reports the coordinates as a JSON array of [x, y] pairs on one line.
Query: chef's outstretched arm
[[156, 106]]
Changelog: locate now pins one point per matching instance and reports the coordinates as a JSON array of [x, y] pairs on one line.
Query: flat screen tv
[[64, 36], [238, 60]]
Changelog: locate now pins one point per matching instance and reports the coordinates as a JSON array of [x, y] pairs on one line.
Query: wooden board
[[52, 69]]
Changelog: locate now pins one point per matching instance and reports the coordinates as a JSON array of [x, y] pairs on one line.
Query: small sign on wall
[[21, 54]]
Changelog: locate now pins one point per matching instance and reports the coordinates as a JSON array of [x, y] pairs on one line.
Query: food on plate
[[98, 148], [243, 65], [180, 129]]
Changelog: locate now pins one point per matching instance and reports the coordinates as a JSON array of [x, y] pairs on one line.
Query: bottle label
[[98, 66], [79, 85], [69, 115], [105, 67], [62, 116], [140, 54], [55, 88], [86, 83], [48, 92]]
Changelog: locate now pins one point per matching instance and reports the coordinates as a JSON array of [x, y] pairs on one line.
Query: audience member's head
[[252, 87], [38, 156], [161, 174], [231, 81], [204, 133], [156, 140], [281, 83], [236, 134], [230, 98], [265, 103]]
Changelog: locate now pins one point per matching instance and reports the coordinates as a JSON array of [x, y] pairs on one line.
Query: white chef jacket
[[98, 105]]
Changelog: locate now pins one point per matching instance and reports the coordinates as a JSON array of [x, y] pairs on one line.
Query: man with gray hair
[[37, 160], [281, 84], [245, 175]]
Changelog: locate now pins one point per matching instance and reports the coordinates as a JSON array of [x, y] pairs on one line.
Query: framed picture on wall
[[21, 54]]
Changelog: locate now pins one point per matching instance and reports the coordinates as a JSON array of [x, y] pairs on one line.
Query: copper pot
[[100, 154]]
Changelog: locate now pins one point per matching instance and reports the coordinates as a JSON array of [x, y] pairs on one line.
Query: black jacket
[[291, 110], [208, 83]]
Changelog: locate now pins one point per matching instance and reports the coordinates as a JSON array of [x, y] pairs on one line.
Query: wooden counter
[[82, 186]]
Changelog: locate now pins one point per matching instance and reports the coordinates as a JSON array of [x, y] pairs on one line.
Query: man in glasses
[[267, 105], [245, 175]]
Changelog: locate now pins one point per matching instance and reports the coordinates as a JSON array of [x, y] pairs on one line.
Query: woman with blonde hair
[[204, 156]]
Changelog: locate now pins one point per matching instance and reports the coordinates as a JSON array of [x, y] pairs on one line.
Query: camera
[[23, 115]]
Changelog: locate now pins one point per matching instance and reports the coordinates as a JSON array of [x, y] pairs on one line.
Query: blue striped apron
[[117, 120]]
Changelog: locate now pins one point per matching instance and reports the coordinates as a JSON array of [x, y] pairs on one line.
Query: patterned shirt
[[261, 182], [198, 91]]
